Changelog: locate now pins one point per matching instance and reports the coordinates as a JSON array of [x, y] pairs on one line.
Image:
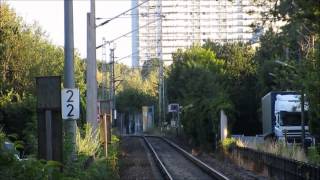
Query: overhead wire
[[123, 35], [125, 13], [121, 14]]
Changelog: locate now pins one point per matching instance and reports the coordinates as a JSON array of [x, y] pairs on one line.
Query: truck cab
[[282, 116]]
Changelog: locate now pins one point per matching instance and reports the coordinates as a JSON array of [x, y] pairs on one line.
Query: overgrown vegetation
[[234, 77], [138, 87], [203, 79], [228, 143], [26, 53], [279, 148], [91, 162]]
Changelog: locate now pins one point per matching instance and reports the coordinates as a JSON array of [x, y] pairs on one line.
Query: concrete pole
[[223, 125], [135, 35], [111, 83], [303, 135], [302, 102], [158, 16], [104, 70], [113, 89], [91, 69], [70, 125]]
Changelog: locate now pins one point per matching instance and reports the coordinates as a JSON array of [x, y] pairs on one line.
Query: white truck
[[281, 116]]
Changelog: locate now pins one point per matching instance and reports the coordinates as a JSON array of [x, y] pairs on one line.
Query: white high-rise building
[[166, 25]]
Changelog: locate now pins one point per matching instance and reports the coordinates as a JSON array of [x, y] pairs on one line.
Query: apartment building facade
[[163, 26]]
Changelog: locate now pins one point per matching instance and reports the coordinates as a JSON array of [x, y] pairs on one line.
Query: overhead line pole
[[111, 102], [68, 82], [104, 69], [91, 115], [159, 56]]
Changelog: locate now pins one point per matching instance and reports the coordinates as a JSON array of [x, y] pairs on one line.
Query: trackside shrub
[[88, 143], [313, 155], [228, 144]]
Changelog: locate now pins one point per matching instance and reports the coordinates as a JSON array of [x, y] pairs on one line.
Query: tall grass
[[88, 143], [279, 148], [314, 155]]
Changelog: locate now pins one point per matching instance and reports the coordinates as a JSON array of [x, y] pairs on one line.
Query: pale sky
[[50, 16]]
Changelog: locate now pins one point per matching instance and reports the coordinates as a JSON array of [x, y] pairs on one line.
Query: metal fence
[[279, 167]]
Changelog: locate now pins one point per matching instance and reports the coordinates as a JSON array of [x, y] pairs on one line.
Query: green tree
[[296, 44], [26, 53], [239, 82], [193, 83], [135, 90], [149, 67]]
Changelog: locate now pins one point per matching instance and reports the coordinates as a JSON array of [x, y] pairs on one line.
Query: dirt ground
[[136, 161]]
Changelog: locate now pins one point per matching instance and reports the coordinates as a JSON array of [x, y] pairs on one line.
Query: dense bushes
[[101, 168], [18, 118], [205, 80]]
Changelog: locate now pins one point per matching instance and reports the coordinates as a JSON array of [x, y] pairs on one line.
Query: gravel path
[[178, 166], [136, 162], [224, 166]]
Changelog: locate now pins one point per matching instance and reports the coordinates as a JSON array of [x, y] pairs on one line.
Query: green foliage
[[25, 53], [279, 148], [193, 82], [17, 116], [131, 100], [148, 67], [296, 44], [136, 90], [228, 144], [101, 169], [113, 154], [205, 80], [31, 168], [90, 163], [12, 168], [313, 155], [312, 85], [88, 144], [239, 84]]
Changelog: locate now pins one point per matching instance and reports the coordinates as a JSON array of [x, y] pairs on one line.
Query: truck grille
[[296, 133], [294, 136]]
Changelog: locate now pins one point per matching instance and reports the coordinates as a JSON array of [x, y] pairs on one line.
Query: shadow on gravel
[[219, 162], [135, 160]]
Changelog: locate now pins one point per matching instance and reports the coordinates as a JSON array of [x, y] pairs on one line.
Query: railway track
[[175, 163]]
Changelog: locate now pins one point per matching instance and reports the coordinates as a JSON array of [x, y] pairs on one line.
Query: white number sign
[[70, 103]]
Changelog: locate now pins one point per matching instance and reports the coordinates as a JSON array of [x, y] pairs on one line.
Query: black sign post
[[49, 118]]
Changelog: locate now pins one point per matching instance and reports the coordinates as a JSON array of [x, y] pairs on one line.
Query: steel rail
[[209, 170], [159, 163]]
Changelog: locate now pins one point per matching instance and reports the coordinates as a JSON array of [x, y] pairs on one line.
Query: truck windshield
[[292, 118]]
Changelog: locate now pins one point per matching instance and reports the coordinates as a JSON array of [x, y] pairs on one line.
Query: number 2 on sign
[[69, 113], [70, 103], [70, 98]]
